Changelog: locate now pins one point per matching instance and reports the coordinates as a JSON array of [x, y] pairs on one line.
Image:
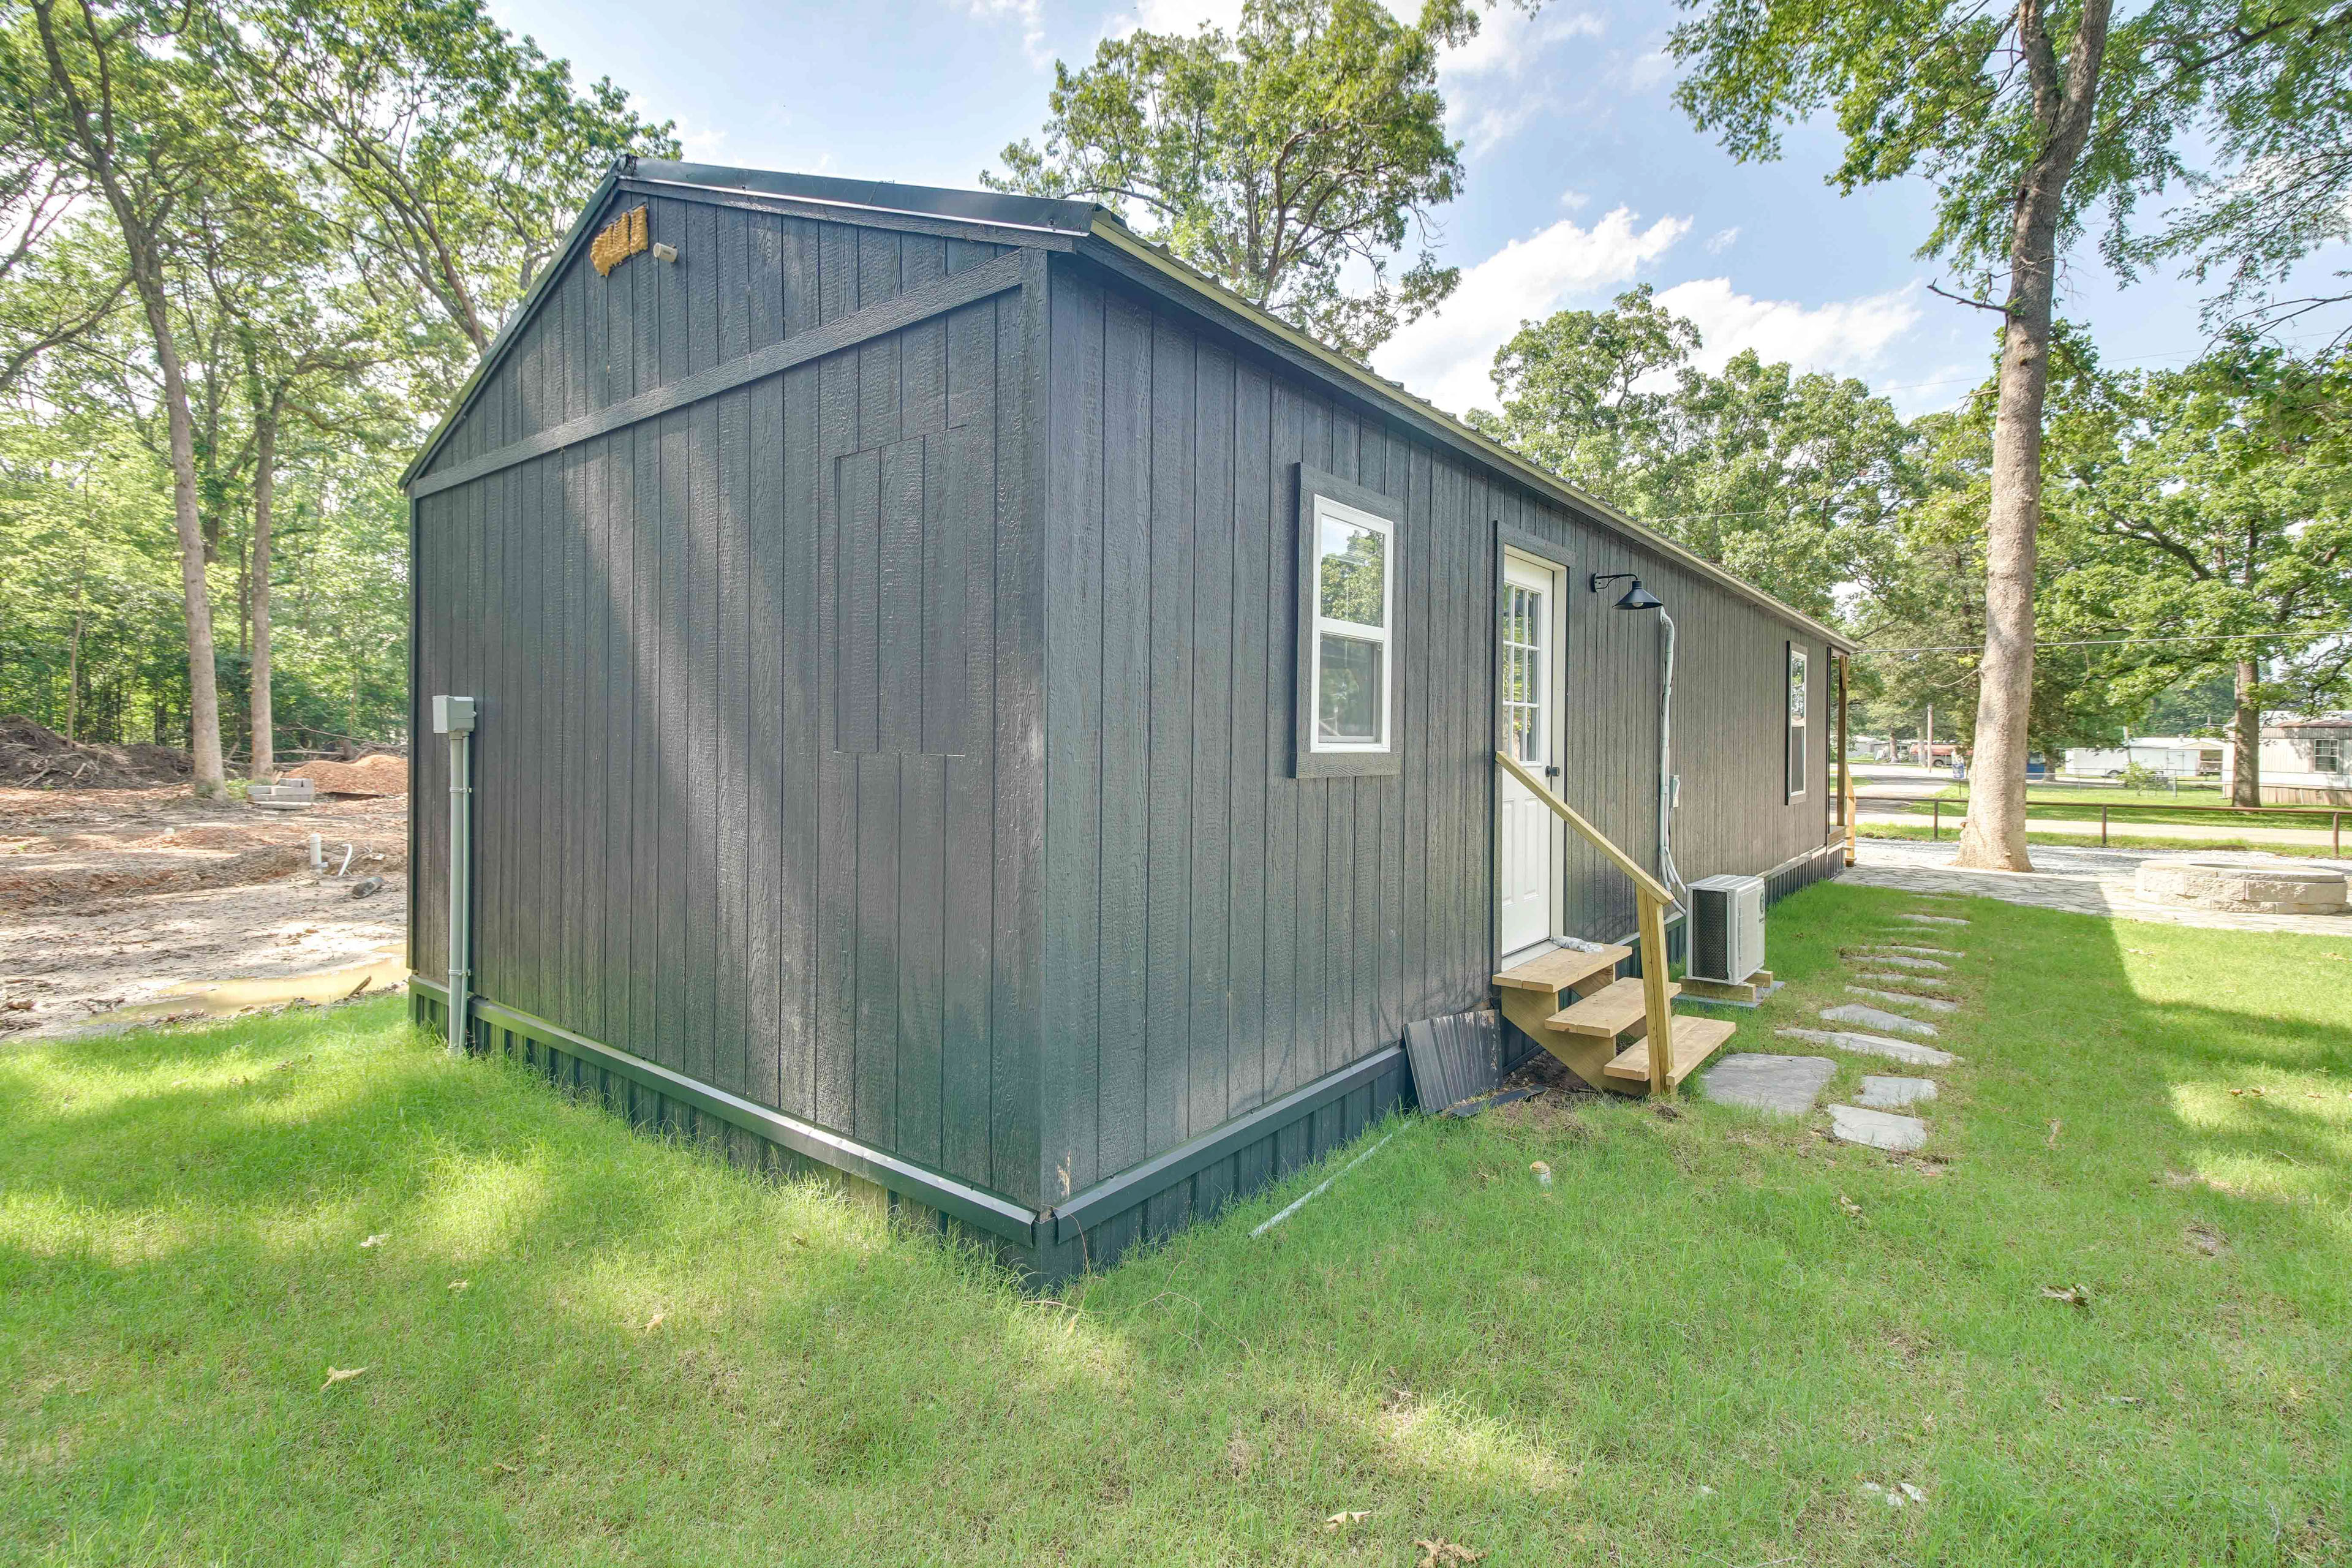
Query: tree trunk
[[2246, 738], [203, 691], [1993, 837], [265, 488]]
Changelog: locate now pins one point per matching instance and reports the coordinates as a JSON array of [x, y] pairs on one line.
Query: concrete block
[[2252, 889]]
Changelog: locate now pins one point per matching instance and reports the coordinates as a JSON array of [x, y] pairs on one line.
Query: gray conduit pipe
[[454, 717], [1668, 873]]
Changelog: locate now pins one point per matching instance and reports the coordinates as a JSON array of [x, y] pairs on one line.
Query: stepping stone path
[[1908, 1051], [1876, 1128], [1882, 1093], [1875, 1122], [1877, 1018], [1932, 1003], [1901, 960], [1784, 1086], [1927, 980]]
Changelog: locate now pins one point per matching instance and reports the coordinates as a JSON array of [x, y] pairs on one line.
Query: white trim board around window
[[1350, 629]]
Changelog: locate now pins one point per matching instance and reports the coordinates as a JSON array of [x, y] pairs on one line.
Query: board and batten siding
[[1218, 931], [692, 843]]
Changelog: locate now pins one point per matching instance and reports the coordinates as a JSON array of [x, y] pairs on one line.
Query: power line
[[2103, 642]]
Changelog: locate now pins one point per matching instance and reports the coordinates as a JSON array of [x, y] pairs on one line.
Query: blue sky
[[1584, 178]]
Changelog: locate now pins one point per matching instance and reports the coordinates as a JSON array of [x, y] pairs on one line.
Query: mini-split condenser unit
[[1726, 928]]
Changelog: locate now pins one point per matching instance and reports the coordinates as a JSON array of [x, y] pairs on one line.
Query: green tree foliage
[[2199, 508], [1288, 160], [451, 155], [2029, 119], [253, 246], [1790, 480]]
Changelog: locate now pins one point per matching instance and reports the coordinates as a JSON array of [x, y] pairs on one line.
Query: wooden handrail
[[1568, 813], [1650, 898]]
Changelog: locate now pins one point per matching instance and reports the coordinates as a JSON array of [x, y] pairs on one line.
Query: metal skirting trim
[[1138, 1182], [1000, 1216]]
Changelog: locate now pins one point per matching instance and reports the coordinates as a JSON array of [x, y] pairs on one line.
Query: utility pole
[[1927, 747]]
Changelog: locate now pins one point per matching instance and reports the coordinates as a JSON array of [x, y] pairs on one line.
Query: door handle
[[1551, 770]]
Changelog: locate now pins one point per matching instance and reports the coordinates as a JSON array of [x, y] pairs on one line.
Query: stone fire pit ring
[[2274, 890]]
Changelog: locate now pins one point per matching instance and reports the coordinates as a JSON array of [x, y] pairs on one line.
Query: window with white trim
[[1796, 721], [1354, 585]]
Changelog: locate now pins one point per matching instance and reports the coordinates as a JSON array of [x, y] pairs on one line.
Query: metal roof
[[1087, 226]]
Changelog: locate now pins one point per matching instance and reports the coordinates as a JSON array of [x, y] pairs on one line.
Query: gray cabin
[[961, 699]]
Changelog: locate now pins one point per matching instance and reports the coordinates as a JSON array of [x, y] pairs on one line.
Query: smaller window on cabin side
[[1797, 730], [1349, 705], [2327, 755], [1351, 629]]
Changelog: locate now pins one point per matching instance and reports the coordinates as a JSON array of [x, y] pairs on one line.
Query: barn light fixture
[[1669, 784], [1635, 598]]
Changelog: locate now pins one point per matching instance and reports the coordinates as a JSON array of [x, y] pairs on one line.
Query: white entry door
[[1528, 855]]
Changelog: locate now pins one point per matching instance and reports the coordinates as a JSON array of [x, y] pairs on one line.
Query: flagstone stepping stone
[[1906, 1051], [1933, 919], [1883, 1093], [1876, 1128], [1876, 1018], [1933, 1003], [1927, 980], [1900, 961], [1931, 952], [1784, 1086]]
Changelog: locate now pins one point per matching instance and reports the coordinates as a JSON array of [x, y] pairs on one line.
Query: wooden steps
[[1609, 1012], [1563, 967], [1602, 1018], [1696, 1039]]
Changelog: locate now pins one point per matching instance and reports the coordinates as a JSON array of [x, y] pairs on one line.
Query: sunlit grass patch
[[1707, 1342]]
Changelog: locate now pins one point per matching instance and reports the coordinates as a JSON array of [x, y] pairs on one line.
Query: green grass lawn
[[1695, 1348], [2119, 837], [2060, 803]]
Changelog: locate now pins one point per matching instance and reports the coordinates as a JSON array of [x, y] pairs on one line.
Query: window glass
[[1354, 560], [1796, 721], [1352, 675], [1347, 705]]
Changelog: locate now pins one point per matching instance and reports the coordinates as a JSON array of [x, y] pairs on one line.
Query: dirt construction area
[[120, 906]]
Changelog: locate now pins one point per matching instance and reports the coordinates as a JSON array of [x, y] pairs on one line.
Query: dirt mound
[[382, 774], [33, 756], [30, 888]]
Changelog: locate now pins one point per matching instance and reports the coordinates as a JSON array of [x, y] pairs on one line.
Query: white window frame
[[1796, 693], [1384, 635]]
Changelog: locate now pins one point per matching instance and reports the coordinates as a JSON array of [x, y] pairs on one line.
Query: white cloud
[[1510, 40], [703, 143], [1574, 201], [1184, 15], [1722, 240], [1647, 71], [1844, 337], [1482, 82], [1444, 357], [1029, 13]]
